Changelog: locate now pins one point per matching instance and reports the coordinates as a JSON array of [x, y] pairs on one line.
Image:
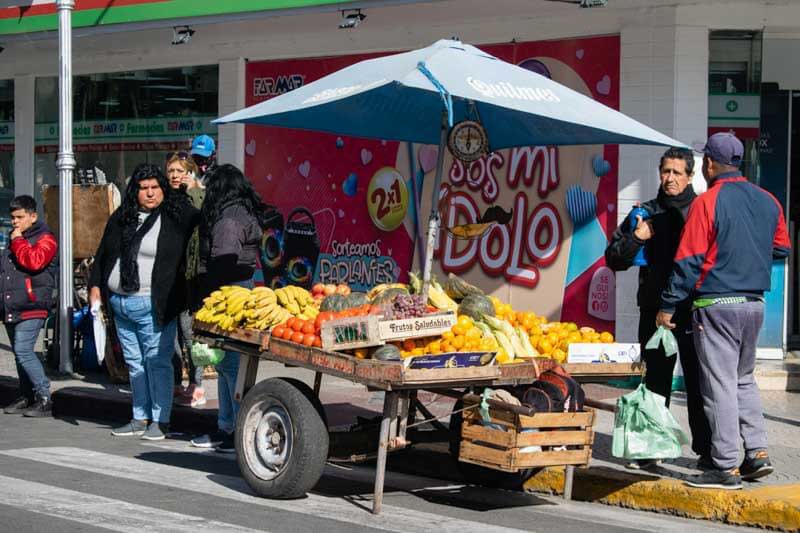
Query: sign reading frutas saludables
[[27, 16]]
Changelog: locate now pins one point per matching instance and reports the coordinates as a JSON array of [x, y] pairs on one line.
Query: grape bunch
[[407, 306]]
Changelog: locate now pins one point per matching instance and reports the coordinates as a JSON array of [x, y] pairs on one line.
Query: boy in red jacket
[[27, 285]]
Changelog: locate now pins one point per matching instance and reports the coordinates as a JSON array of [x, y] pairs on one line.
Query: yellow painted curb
[[775, 507]]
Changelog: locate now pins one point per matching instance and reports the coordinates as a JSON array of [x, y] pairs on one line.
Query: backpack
[[572, 391]]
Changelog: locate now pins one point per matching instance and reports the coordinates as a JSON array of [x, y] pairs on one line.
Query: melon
[[476, 306], [334, 302], [387, 352]]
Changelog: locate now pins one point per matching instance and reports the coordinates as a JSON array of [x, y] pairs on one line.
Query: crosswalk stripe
[[100, 511], [233, 487]]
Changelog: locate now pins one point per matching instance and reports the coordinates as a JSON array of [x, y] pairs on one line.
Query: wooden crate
[[91, 207], [373, 330], [499, 449]]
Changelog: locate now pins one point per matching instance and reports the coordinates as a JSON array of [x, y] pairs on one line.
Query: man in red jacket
[[723, 263], [27, 285]]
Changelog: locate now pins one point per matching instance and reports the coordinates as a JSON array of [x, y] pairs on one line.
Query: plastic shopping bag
[[645, 429], [204, 355], [665, 337]]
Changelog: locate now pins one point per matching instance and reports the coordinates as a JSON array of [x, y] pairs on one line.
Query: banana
[[282, 296], [293, 308]]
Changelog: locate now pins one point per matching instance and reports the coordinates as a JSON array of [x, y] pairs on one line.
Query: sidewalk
[[773, 503]]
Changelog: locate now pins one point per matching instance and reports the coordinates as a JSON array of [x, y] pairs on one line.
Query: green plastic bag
[[667, 338], [204, 355], [645, 429]]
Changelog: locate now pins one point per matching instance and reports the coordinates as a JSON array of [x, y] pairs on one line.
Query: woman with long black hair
[[230, 234], [138, 271]]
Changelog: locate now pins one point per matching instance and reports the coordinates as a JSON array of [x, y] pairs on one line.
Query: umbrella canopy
[[401, 97]]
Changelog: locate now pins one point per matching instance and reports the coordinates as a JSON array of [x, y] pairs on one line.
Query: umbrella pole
[[433, 221]]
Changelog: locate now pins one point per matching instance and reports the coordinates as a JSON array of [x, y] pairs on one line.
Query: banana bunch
[[378, 289], [224, 307], [262, 310], [297, 301]]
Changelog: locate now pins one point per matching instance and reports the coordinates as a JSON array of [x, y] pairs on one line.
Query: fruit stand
[[401, 345]]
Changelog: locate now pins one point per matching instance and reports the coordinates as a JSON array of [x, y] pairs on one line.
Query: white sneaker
[[208, 441]]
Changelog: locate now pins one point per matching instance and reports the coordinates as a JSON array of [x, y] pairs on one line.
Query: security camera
[[182, 35], [351, 19]]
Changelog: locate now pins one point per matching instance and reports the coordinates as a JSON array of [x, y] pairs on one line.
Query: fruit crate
[[373, 330], [508, 444]]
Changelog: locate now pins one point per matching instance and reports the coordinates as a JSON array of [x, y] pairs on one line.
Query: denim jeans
[[147, 348], [33, 382], [227, 371]]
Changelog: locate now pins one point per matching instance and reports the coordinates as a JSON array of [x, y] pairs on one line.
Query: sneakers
[[132, 428], [643, 464], [756, 467], [209, 441], [18, 406], [704, 462], [716, 479], [155, 431], [193, 397], [227, 445], [40, 409]]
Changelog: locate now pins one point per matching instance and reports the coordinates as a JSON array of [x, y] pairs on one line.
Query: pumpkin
[[475, 306], [356, 299], [334, 302], [387, 352], [388, 295], [457, 289]]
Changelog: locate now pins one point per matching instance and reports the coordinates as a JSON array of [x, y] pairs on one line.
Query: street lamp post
[[65, 163]]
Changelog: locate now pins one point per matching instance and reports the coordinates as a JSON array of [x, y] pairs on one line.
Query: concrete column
[[24, 95], [664, 84], [230, 147]]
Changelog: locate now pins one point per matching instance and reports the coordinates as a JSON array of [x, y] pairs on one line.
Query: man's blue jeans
[[33, 382], [147, 348]]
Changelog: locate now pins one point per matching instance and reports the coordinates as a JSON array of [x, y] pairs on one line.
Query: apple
[[318, 288], [330, 288], [342, 289]]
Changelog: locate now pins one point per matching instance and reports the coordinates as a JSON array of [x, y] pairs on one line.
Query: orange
[[606, 337], [458, 342], [459, 329], [448, 335]]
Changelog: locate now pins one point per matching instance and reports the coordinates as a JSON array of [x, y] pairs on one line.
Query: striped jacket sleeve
[[697, 239], [37, 256]]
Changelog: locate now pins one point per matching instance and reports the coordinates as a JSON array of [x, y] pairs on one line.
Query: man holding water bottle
[[648, 238]]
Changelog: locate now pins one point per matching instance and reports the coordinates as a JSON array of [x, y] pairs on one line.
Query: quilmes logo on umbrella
[[505, 89], [339, 92]]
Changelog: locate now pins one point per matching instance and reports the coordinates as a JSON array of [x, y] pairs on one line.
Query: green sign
[[154, 129], [88, 13]]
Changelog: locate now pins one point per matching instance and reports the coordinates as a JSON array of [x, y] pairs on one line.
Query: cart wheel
[[281, 439], [480, 475]]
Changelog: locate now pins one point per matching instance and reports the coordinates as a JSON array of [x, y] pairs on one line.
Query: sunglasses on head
[[180, 155]]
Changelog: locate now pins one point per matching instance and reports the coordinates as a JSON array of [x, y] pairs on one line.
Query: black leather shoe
[[18, 406], [40, 409]]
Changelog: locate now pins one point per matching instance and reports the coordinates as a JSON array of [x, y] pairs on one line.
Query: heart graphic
[[604, 85], [396, 271], [366, 156], [611, 208], [602, 289], [579, 53], [289, 159], [581, 205], [304, 168], [353, 221], [600, 166], [341, 213], [350, 185], [269, 177], [427, 158], [250, 148], [339, 142]]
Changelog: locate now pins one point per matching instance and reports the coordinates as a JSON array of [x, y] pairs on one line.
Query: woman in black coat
[[138, 271]]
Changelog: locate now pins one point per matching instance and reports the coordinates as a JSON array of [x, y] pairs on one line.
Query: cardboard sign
[[604, 353], [423, 326]]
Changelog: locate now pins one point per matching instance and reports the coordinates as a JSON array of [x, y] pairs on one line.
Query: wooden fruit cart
[[283, 440]]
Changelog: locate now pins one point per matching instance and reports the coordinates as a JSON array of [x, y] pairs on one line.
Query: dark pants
[[658, 378], [22, 336], [183, 352]]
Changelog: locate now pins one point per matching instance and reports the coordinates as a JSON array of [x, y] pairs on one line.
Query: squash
[[334, 302], [476, 306], [457, 289], [387, 352], [387, 296], [356, 299]]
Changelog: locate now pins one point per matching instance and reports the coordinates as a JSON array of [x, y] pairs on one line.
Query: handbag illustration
[[300, 250], [271, 248]]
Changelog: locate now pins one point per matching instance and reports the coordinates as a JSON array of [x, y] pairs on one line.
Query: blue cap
[[724, 148], [203, 145]]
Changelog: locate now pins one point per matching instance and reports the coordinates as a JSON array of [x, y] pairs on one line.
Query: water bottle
[[640, 259]]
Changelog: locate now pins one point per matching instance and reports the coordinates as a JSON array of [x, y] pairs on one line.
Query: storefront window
[[125, 118]]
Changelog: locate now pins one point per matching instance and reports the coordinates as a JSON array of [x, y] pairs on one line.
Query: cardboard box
[[617, 352]]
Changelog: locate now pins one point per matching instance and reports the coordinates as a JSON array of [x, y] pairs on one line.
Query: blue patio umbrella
[[417, 96]]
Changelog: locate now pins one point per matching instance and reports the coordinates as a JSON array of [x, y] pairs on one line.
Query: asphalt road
[[69, 475]]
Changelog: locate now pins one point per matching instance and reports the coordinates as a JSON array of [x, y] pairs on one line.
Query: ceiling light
[[165, 87], [178, 99], [351, 18], [182, 34], [584, 3]]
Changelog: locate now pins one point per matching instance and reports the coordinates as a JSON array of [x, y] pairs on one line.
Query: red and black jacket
[[28, 275], [732, 233]]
